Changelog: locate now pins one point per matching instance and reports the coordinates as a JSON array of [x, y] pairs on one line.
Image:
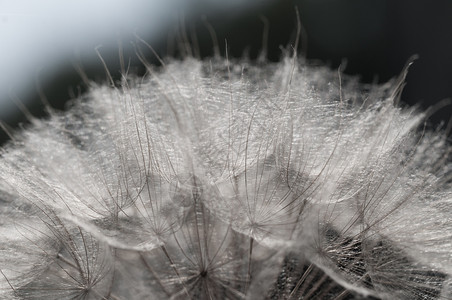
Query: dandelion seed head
[[228, 179]]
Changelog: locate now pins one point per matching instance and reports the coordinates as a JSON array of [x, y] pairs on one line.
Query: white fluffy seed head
[[223, 179]]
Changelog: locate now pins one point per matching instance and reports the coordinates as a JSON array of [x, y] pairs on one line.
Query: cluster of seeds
[[226, 179]]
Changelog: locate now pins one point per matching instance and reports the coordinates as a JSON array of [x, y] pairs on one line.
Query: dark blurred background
[[39, 46]]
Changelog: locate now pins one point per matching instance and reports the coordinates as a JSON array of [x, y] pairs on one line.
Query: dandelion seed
[[226, 179]]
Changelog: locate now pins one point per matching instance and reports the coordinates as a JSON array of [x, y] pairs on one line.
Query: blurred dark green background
[[374, 38]]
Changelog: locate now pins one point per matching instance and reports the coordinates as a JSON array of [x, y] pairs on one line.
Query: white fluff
[[228, 180]]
